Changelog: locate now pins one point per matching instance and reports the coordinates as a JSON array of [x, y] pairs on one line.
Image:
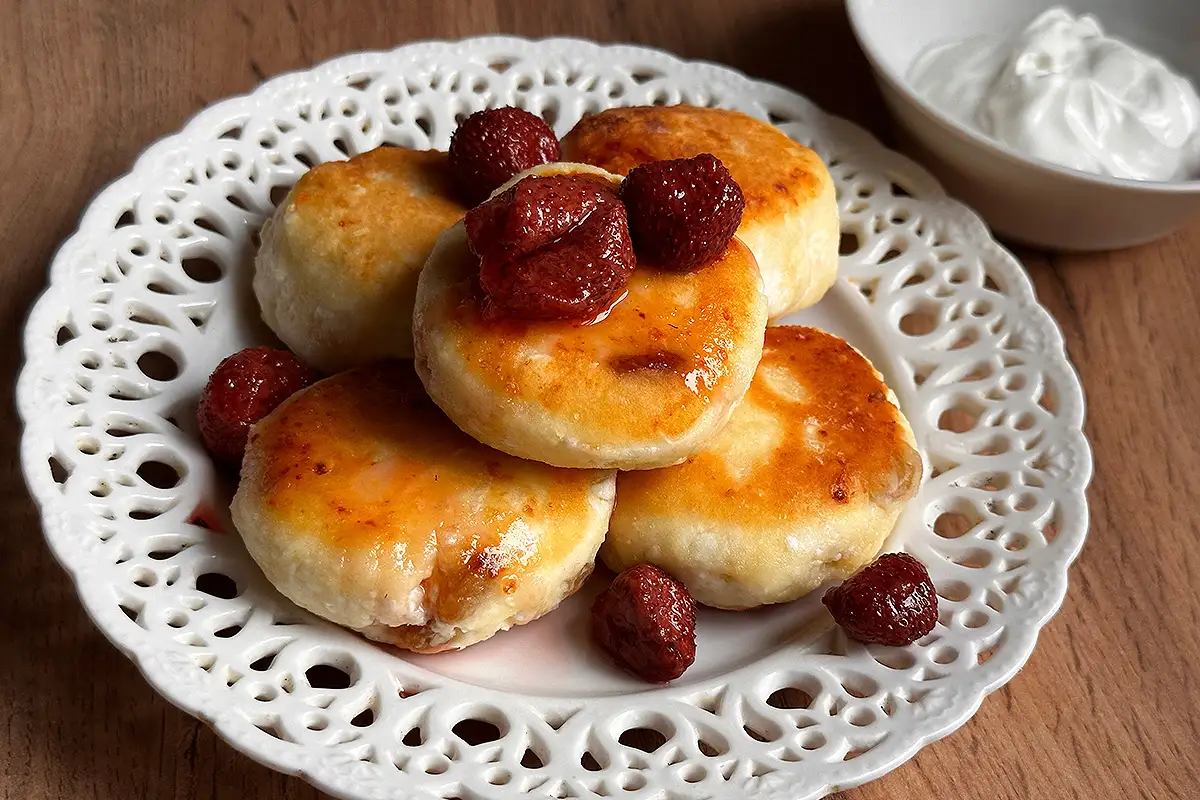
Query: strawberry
[[682, 212], [243, 389], [891, 601], [646, 620], [491, 146]]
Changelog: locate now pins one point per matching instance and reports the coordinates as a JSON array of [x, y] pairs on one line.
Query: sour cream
[[1062, 91]]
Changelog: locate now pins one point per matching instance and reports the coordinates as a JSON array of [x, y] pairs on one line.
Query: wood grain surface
[[1109, 705]]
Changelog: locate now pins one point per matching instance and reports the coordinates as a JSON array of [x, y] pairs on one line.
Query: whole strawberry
[[553, 247], [890, 601], [682, 212], [646, 620], [491, 146], [243, 389]]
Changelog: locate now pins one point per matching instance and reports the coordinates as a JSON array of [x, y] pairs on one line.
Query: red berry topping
[[554, 247], [646, 620], [682, 212], [891, 601], [491, 146], [243, 389]]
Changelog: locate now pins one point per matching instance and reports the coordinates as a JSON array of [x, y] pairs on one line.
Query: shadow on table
[[63, 686], [80, 719], [811, 51], [91, 724]]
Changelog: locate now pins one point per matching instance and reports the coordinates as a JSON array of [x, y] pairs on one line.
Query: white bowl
[[1022, 198]]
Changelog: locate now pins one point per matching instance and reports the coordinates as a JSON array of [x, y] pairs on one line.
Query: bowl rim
[[856, 10]]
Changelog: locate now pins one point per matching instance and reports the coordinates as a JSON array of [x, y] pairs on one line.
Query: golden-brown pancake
[[791, 217], [362, 503], [801, 487], [643, 387], [337, 271]]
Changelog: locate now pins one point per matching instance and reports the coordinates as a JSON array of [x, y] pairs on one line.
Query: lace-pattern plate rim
[[141, 306]]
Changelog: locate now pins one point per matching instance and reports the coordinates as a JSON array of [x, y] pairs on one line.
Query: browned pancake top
[[815, 432], [776, 173], [648, 369], [380, 208], [366, 459]]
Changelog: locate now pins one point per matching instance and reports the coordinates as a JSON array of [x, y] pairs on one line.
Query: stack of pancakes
[[432, 504]]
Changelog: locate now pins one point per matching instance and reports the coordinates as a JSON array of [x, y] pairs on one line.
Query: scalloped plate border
[[201, 701]]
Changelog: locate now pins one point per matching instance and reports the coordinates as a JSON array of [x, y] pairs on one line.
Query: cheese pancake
[[791, 217], [337, 270], [643, 387], [801, 487], [362, 503]]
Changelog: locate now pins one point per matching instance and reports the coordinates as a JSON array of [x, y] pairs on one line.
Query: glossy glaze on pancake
[[791, 219], [337, 270], [364, 504], [643, 387], [802, 486]]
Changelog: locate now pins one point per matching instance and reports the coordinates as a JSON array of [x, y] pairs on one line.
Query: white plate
[[161, 265]]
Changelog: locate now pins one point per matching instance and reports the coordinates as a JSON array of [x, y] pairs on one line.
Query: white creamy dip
[[1062, 91]]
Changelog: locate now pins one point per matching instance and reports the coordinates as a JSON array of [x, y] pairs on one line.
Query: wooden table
[[1109, 705]]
